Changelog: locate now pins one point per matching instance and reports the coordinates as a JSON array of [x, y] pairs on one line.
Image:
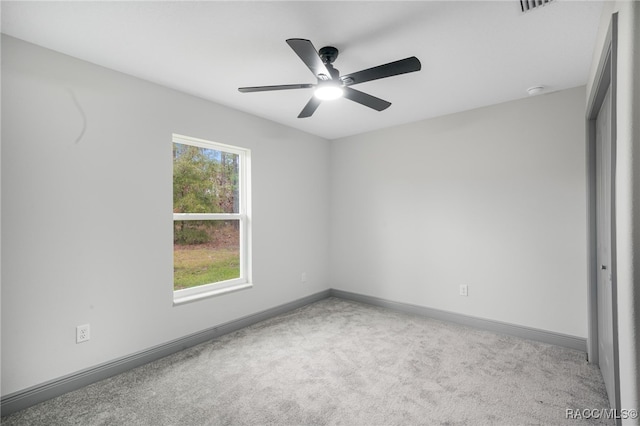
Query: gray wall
[[87, 224], [627, 192], [493, 198]]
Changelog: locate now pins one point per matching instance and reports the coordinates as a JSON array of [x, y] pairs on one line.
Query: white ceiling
[[473, 53]]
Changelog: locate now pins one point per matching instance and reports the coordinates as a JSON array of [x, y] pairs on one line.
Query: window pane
[[204, 180], [205, 252]]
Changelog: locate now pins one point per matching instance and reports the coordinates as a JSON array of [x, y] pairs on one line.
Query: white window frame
[[243, 216]]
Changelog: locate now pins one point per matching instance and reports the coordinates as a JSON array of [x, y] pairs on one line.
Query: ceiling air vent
[[528, 5]]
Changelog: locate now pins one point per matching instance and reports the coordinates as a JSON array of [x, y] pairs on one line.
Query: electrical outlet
[[464, 291], [82, 333], [303, 277]]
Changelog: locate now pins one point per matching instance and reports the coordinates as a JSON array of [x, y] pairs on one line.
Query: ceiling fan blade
[[309, 55], [366, 99], [310, 107], [402, 66], [280, 87]]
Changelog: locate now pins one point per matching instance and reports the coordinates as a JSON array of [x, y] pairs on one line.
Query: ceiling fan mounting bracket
[[328, 54]]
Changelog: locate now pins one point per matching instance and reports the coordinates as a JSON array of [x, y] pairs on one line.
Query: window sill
[[211, 293]]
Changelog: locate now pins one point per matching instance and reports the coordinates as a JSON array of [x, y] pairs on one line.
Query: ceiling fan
[[331, 85]]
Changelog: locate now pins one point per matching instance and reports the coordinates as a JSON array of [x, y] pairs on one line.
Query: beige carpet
[[337, 362]]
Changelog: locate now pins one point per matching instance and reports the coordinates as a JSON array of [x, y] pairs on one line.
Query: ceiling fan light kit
[[330, 85], [328, 91]]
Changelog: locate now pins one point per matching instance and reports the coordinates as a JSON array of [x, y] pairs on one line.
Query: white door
[[603, 235]]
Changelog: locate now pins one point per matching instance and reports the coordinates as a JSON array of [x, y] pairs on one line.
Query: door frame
[[605, 78]]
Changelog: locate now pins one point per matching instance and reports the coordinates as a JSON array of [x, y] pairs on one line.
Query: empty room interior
[[193, 234]]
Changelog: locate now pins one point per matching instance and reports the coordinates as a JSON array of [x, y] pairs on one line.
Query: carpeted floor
[[342, 363]]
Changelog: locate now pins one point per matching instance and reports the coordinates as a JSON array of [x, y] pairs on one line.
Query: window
[[211, 222]]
